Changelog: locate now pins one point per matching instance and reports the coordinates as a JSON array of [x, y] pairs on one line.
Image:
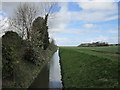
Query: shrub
[[10, 42], [30, 55]]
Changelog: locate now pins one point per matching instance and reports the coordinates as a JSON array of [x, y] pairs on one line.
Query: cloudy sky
[[74, 23]]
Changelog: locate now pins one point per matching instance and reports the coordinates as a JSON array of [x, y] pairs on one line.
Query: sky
[[74, 23]]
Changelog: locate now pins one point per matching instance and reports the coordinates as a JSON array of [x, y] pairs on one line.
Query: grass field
[[89, 67]]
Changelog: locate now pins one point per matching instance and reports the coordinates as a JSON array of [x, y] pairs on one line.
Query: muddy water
[[50, 75]]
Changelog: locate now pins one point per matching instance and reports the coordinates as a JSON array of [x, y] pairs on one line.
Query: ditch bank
[[50, 75]]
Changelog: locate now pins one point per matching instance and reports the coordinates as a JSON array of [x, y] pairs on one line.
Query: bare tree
[[50, 9], [26, 13], [23, 18], [3, 23]]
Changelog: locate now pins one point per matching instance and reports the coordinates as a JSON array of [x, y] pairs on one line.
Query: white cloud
[[60, 20], [89, 25], [67, 41], [80, 31], [98, 0], [88, 14], [92, 12], [92, 17], [62, 41], [97, 11], [111, 18], [60, 0], [94, 5], [101, 38], [113, 31]]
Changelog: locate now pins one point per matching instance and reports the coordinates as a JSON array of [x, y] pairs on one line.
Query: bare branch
[[23, 18], [25, 14]]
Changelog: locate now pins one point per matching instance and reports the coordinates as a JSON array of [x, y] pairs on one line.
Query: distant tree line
[[94, 44]]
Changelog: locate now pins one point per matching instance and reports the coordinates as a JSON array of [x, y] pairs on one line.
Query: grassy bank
[[26, 72], [89, 67]]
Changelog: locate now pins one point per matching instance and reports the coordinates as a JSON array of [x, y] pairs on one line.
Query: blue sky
[[74, 23], [85, 23]]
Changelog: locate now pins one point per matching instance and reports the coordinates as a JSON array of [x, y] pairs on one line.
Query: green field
[[89, 67]]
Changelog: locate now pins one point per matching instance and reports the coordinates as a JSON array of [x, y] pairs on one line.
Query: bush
[[8, 59], [10, 42], [30, 55]]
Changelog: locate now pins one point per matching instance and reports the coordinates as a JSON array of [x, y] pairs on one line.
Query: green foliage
[[40, 33], [10, 43], [33, 55], [30, 55], [45, 39], [84, 69], [46, 35], [22, 59]]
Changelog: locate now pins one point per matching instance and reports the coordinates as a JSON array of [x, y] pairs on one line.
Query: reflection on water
[[55, 72], [50, 75]]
